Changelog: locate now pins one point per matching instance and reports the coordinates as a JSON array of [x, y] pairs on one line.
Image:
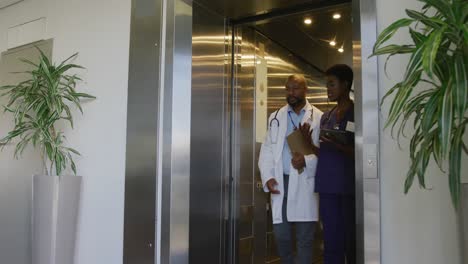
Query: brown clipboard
[[297, 143]]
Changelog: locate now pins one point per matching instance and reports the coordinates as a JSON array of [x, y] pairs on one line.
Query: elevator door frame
[[167, 175], [367, 135]]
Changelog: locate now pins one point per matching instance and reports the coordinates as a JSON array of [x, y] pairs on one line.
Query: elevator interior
[[265, 51], [204, 76]]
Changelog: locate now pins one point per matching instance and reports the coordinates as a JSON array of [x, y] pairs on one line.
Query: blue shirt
[[293, 121]]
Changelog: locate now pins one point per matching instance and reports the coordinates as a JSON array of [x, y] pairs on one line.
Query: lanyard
[[327, 120], [292, 122]]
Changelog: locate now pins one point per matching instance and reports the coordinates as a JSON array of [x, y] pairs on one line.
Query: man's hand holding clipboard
[[300, 146]]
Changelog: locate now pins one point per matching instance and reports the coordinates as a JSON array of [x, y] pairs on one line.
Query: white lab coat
[[302, 200]]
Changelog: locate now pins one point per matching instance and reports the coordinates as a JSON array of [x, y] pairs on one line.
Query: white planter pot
[[56, 202]]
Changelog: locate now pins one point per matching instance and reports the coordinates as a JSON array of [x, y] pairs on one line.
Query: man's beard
[[294, 101]]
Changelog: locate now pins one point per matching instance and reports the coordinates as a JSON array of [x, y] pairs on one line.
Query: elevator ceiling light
[[332, 43], [336, 16], [340, 50], [307, 21]]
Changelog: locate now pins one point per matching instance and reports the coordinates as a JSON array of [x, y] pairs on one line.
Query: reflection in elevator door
[[260, 71], [244, 147]]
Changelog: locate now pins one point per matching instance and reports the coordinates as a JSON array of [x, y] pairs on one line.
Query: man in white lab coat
[[292, 193]]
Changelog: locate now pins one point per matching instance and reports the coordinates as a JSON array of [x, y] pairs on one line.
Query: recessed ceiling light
[[332, 43], [307, 21], [340, 50], [336, 16]]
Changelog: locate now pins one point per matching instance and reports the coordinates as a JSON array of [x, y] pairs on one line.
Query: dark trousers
[[284, 231], [337, 213]]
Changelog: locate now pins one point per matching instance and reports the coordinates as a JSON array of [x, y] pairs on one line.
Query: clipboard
[[298, 144]]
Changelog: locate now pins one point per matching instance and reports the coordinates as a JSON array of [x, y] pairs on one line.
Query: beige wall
[[100, 31], [420, 227]]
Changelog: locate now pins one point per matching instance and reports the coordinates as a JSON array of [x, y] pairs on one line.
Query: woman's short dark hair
[[343, 72]]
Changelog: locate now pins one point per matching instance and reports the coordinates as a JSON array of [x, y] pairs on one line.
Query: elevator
[[204, 77]]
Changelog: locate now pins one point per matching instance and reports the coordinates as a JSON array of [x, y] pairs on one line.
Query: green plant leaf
[[388, 32], [432, 23], [83, 95], [402, 96], [424, 160], [443, 6], [72, 163], [460, 89], [394, 49], [416, 105], [37, 104], [69, 115], [414, 65], [418, 38], [438, 58], [431, 109], [73, 151], [465, 148], [455, 165], [446, 120], [43, 57], [430, 51], [65, 68], [436, 151], [414, 160], [390, 92], [465, 33], [29, 62], [68, 59]]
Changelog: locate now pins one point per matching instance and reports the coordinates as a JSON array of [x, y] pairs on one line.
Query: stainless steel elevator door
[[243, 158], [261, 68], [207, 151]]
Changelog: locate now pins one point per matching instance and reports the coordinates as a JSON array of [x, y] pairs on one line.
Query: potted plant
[[437, 111], [37, 105]]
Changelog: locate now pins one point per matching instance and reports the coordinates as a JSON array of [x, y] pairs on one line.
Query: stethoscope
[[275, 120], [274, 125]]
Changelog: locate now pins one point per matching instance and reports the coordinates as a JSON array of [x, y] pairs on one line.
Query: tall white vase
[[56, 201]]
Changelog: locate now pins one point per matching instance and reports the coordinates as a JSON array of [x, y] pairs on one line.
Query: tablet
[[339, 136]]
